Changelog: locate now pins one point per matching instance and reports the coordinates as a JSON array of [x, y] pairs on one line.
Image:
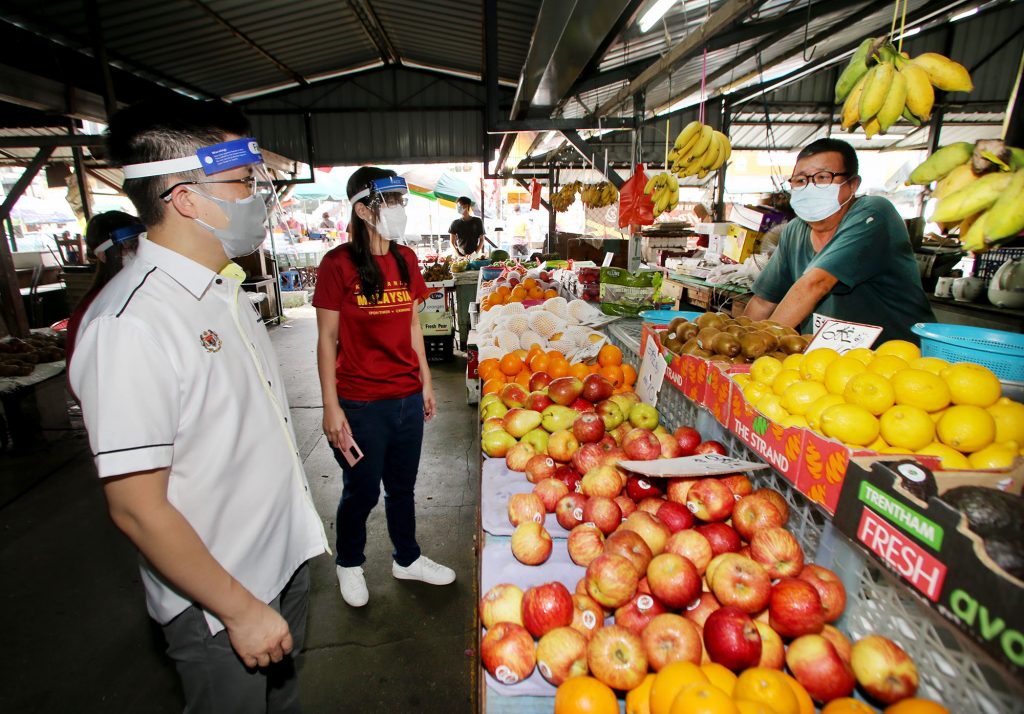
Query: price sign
[[840, 335], [608, 258], [652, 374]]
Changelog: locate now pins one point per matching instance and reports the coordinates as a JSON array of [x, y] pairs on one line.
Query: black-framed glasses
[[821, 179], [395, 199], [250, 181]]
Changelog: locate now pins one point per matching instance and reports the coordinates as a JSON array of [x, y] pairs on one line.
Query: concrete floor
[[75, 631]]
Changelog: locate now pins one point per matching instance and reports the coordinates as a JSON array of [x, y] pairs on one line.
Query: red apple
[[587, 457], [601, 481], [565, 390], [731, 639], [671, 638], [795, 608], [582, 406], [569, 476], [562, 445], [569, 510], [739, 484], [688, 440], [740, 582], [508, 653], [585, 543], [513, 396], [551, 491], [819, 669], [773, 651], [596, 388], [710, 447], [830, 589], [674, 580], [777, 500], [883, 669], [650, 529], [640, 487], [636, 614], [675, 516], [562, 654], [626, 505], [540, 467], [539, 381], [616, 657], [691, 545], [619, 432], [588, 428], [502, 603], [537, 401], [641, 445], [587, 615], [778, 551], [669, 446], [630, 546], [753, 513], [531, 544], [603, 512], [698, 611], [722, 537], [651, 504], [709, 500], [523, 507], [840, 641], [611, 580], [518, 456], [546, 607], [610, 413], [677, 488]]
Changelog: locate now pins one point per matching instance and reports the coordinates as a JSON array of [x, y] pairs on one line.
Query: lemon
[[771, 406], [764, 369], [793, 361], [878, 444], [949, 457], [929, 364], [784, 378], [887, 365], [972, 384], [907, 427], [1009, 416], [850, 423], [813, 414], [895, 450], [799, 396], [907, 351], [967, 428], [861, 354], [838, 373], [994, 456], [753, 391], [920, 388], [741, 379], [813, 365], [936, 415], [871, 391], [794, 420]]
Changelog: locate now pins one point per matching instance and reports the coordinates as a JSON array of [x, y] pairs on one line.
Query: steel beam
[[50, 142], [515, 126], [525, 185], [375, 31], [1013, 125], [581, 145]]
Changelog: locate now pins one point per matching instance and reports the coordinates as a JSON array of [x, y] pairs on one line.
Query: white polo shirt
[[174, 369]]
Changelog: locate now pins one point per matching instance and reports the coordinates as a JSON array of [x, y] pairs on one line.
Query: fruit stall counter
[[955, 312]]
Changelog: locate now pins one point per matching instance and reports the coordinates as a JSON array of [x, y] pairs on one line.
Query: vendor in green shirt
[[844, 256]]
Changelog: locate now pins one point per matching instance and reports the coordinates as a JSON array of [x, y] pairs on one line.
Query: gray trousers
[[213, 676]]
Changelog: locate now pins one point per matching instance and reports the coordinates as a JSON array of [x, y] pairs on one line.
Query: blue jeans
[[390, 434]]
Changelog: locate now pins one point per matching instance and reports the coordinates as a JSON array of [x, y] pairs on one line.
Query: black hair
[[160, 130], [465, 201], [850, 164], [371, 279], [99, 230]]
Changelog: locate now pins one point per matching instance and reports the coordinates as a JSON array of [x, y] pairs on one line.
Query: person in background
[[326, 224], [843, 256], [520, 233], [187, 414], [466, 232], [374, 378]]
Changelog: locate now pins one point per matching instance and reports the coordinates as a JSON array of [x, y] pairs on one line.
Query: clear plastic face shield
[[121, 235], [387, 200]]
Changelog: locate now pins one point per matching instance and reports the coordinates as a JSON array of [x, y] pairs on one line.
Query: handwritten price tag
[[652, 374], [608, 258], [842, 336]]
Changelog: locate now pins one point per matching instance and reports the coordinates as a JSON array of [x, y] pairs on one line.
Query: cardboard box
[[756, 218], [779, 446], [928, 545], [741, 243], [440, 298], [436, 324]]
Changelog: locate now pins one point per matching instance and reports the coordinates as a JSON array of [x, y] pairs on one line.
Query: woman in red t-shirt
[[374, 379]]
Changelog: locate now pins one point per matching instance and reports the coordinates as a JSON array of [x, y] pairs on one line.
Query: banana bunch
[[565, 196], [599, 195], [880, 86], [978, 186], [698, 150], [664, 192]]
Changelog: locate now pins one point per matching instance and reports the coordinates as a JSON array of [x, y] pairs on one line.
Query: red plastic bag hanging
[[534, 194], [635, 206]]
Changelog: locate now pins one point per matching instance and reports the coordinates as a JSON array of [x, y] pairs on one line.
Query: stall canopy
[[439, 185], [324, 188]]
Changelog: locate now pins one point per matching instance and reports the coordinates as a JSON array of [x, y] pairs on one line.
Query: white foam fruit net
[[516, 323], [529, 338], [557, 306], [580, 311], [508, 341], [513, 308], [491, 352], [579, 335], [565, 345], [545, 324]]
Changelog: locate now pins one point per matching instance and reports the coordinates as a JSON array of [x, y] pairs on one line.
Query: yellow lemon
[[861, 354], [795, 420], [929, 364], [767, 686], [936, 415], [907, 351], [813, 365], [771, 406], [841, 371], [887, 365], [638, 699], [813, 415], [966, 428], [949, 457], [1009, 416], [995, 456], [871, 391], [878, 444], [793, 361], [783, 379], [764, 369], [850, 424], [720, 676], [920, 388], [741, 379], [799, 396], [753, 391], [907, 427], [972, 384]]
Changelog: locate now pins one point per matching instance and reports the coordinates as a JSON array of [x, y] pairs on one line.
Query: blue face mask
[[816, 203]]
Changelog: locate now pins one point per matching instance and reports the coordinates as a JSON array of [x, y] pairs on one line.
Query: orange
[[503, 290], [720, 676], [748, 707], [609, 354], [511, 364], [768, 686], [802, 697], [529, 283], [521, 354], [493, 386], [539, 362], [579, 370], [670, 681], [558, 367], [916, 706], [487, 364], [628, 374], [518, 294], [535, 293], [555, 353], [613, 373], [585, 695], [638, 699], [703, 699], [550, 293], [594, 368], [847, 705], [523, 378]]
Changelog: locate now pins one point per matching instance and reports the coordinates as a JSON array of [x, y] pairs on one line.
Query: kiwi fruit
[[676, 324], [736, 330], [705, 336], [792, 344], [708, 319], [665, 336], [787, 330], [752, 346], [739, 359], [771, 341], [689, 347], [703, 354], [688, 331], [721, 359], [779, 355], [725, 344], [743, 320]]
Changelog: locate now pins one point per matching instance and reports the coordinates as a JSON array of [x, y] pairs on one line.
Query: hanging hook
[[807, 27]]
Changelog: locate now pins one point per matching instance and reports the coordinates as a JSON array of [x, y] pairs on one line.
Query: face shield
[[119, 236], [387, 199]]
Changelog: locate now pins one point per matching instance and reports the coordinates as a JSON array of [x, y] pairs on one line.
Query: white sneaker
[[425, 570], [353, 586]]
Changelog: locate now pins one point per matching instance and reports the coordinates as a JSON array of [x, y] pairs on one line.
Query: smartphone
[[350, 449]]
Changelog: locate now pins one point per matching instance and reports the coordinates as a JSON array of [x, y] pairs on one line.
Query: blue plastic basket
[[663, 317], [1002, 352], [491, 273]]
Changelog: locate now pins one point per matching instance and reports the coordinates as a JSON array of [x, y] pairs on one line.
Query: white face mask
[[246, 229], [392, 222], [816, 203]]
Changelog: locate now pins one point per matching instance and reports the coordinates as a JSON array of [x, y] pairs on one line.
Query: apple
[[585, 543], [669, 638], [539, 381], [496, 410], [650, 529], [641, 445], [840, 641], [722, 537], [562, 445], [601, 481], [709, 500], [626, 504], [587, 457], [508, 653], [565, 390], [819, 669], [651, 504], [632, 547], [773, 650], [698, 611], [640, 487], [582, 406], [569, 510], [778, 551], [643, 416], [675, 516], [569, 476], [795, 608], [688, 440], [537, 401], [551, 491], [616, 657], [669, 447], [588, 428], [587, 615], [674, 580], [636, 614], [562, 654], [739, 484], [710, 447], [691, 545], [610, 414], [518, 456], [883, 669], [502, 603], [497, 443], [677, 488], [753, 513], [625, 400], [740, 582], [513, 395], [619, 432], [830, 589], [546, 607], [777, 500], [603, 512], [492, 424], [531, 543], [556, 418], [596, 388], [611, 580], [538, 439], [731, 639], [523, 507], [540, 467]]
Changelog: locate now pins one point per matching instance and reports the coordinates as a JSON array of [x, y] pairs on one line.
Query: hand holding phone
[[349, 448]]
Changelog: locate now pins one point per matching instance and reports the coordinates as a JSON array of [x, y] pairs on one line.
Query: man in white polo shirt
[[188, 418]]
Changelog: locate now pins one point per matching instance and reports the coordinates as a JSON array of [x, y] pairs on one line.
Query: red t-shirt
[[376, 359]]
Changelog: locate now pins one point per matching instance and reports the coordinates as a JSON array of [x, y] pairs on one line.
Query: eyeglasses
[[249, 181], [820, 179], [394, 199]]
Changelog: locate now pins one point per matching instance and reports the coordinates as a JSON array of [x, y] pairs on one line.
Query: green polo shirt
[[871, 257]]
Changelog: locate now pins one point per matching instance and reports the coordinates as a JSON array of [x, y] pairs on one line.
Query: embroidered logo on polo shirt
[[210, 341]]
